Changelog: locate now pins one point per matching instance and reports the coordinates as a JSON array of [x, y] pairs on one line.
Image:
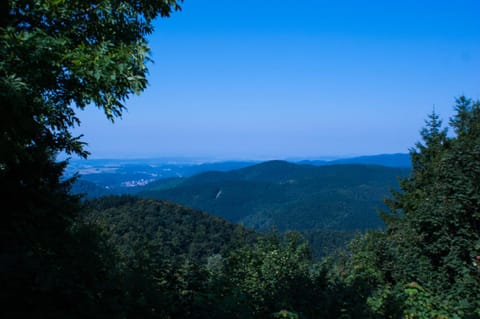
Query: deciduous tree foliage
[[57, 56]]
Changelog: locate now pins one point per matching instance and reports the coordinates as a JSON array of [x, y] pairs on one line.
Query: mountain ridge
[[389, 160], [289, 196]]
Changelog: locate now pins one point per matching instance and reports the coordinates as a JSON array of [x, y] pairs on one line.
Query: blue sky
[[295, 79]]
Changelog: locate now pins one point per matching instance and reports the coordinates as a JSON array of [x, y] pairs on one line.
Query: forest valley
[[127, 257]]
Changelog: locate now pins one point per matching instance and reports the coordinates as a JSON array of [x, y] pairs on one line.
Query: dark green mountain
[[170, 231], [287, 196]]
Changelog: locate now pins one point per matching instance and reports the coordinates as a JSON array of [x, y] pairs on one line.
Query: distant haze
[[303, 79]]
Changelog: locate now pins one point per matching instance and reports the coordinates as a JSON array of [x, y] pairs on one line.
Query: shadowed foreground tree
[[56, 56], [425, 265]]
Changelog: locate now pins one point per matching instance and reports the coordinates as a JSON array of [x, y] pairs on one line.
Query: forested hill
[[288, 196], [173, 232]]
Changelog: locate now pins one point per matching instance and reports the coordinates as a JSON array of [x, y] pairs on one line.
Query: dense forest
[[126, 257], [172, 232], [287, 196]]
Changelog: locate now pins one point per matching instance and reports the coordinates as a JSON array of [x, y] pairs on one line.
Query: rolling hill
[[172, 232], [287, 196]]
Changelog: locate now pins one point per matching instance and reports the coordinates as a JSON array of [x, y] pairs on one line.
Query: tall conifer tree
[[433, 234]]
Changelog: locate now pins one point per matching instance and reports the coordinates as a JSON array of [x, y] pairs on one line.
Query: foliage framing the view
[[426, 264], [56, 56], [61, 54]]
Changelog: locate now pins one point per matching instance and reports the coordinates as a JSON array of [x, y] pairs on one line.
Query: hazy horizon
[[210, 158], [213, 159], [272, 80]]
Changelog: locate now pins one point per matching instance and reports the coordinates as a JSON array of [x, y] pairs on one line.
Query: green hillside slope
[[288, 196], [172, 232]]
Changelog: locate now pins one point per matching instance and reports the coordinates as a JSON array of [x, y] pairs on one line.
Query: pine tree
[[444, 221], [429, 250]]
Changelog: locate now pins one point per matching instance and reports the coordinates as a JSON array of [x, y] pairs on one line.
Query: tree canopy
[[57, 56], [425, 265], [60, 55]]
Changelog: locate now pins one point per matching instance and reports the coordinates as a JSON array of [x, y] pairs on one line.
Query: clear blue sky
[[281, 79]]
